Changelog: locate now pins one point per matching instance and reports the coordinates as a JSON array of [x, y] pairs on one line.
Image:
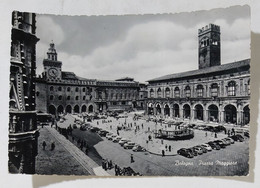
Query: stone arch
[[166, 110], [83, 108], [186, 111], [198, 112], [213, 112], [90, 108], [52, 110], [158, 108], [76, 109], [246, 115], [60, 109], [68, 109], [230, 113], [176, 110]]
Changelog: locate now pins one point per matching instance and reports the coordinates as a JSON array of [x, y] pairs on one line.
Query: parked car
[[117, 139], [123, 141], [246, 133], [102, 133], [94, 129], [230, 139], [138, 148], [112, 137], [192, 151], [198, 150], [185, 152], [213, 145], [237, 138], [226, 141], [83, 127], [204, 150], [129, 145], [74, 126], [207, 147], [109, 135], [220, 143]]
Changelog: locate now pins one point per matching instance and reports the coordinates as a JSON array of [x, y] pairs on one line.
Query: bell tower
[[209, 46], [52, 67]]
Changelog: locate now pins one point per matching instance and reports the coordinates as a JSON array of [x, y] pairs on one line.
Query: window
[[83, 89], [68, 88], [214, 90], [114, 103], [159, 93], [200, 91], [51, 88], [77, 89], [248, 87], [187, 91], [77, 98], [68, 97], [167, 92], [123, 102], [37, 93], [151, 93], [51, 97], [84, 98], [232, 88], [59, 88], [177, 92], [60, 97]]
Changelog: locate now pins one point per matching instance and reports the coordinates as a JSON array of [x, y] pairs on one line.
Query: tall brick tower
[[209, 46]]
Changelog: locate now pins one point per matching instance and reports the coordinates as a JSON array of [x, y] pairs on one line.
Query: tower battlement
[[209, 28]]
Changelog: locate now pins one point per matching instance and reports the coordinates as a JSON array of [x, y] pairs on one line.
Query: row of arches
[[211, 113], [68, 109]]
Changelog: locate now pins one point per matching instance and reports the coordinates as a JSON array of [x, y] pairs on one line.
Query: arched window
[[214, 90], [77, 98], [167, 92], [83, 89], [68, 97], [187, 91], [159, 93], [232, 88], [177, 92], [51, 97], [84, 97], [51, 88], [77, 89], [59, 88], [151, 93], [37, 93], [60, 97], [248, 87], [68, 88], [199, 90]]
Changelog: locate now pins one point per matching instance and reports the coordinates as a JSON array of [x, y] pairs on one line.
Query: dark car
[[94, 129], [213, 145], [83, 127], [246, 133], [220, 143], [184, 152], [237, 138], [102, 133]]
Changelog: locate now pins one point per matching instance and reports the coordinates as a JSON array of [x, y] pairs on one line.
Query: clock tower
[[209, 46], [52, 67]]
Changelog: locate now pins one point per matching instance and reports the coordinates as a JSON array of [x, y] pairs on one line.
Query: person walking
[[206, 134], [52, 146], [170, 148], [132, 158], [44, 145], [163, 153]]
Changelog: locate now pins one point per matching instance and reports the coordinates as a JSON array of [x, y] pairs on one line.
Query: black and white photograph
[[130, 95]]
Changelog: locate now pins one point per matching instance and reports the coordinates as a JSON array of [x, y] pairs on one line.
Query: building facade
[[58, 91], [213, 93], [23, 133]]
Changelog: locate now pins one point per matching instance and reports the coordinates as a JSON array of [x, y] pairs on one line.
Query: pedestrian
[[206, 134], [170, 148], [44, 145], [216, 135], [52, 146], [86, 151], [166, 147], [161, 141], [132, 158], [163, 153], [142, 125]]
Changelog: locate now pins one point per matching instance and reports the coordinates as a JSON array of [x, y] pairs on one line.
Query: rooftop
[[200, 72]]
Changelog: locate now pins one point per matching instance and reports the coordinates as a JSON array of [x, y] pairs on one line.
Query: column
[[181, 113], [192, 114], [171, 112], [205, 115], [221, 116], [239, 117]]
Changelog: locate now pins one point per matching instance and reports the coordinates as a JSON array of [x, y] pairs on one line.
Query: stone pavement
[[69, 155]]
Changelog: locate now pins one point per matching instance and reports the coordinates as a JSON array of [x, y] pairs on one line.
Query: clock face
[[53, 72]]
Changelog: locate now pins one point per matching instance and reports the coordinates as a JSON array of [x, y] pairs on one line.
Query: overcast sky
[[139, 46]]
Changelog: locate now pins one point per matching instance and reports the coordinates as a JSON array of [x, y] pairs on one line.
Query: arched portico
[[213, 113], [90, 109], [158, 109], [60, 109], [68, 109], [198, 112], [166, 110], [246, 115], [83, 108], [176, 110], [76, 109], [186, 111], [52, 110], [230, 114]]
